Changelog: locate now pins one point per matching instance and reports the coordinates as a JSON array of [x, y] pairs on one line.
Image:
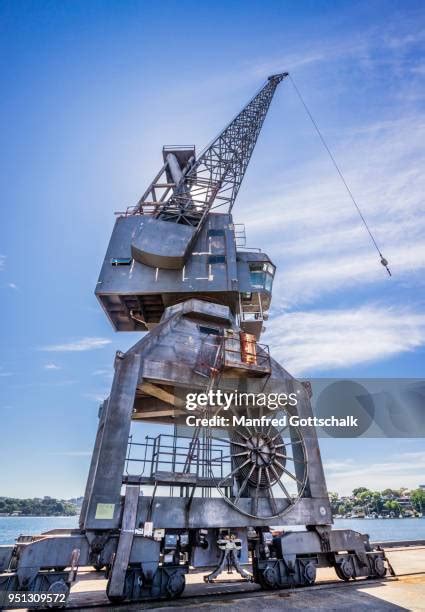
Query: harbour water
[[379, 530], [13, 526]]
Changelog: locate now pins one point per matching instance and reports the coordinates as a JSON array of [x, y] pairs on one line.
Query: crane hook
[[384, 262]]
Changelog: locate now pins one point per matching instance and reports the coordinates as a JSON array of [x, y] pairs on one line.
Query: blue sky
[[90, 93]]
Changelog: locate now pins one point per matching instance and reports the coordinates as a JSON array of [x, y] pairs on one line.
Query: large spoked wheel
[[260, 471]]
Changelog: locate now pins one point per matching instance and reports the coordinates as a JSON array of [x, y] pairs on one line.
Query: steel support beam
[[104, 503]]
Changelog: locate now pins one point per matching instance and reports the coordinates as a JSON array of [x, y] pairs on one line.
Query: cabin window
[[261, 275]]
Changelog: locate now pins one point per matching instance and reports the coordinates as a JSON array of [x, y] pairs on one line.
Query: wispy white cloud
[[406, 471], [2, 262], [12, 286], [322, 250], [84, 344], [324, 339], [51, 366], [419, 69], [288, 61], [322, 244], [370, 49]]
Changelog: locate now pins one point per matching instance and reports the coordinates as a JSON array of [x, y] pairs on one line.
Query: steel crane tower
[[195, 495]]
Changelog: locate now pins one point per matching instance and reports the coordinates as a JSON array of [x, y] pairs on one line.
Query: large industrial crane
[[174, 268]]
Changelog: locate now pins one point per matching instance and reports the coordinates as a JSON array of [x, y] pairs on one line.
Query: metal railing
[[168, 453], [233, 354], [251, 311], [240, 235]]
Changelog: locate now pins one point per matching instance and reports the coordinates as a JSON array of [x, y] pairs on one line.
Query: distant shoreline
[[32, 507], [37, 515]]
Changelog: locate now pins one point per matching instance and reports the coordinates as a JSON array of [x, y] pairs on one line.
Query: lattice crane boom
[[216, 176], [187, 188]]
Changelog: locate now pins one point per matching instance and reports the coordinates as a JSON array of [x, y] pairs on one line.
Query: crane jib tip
[[278, 77]]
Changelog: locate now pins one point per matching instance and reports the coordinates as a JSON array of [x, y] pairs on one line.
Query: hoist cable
[[384, 262]]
